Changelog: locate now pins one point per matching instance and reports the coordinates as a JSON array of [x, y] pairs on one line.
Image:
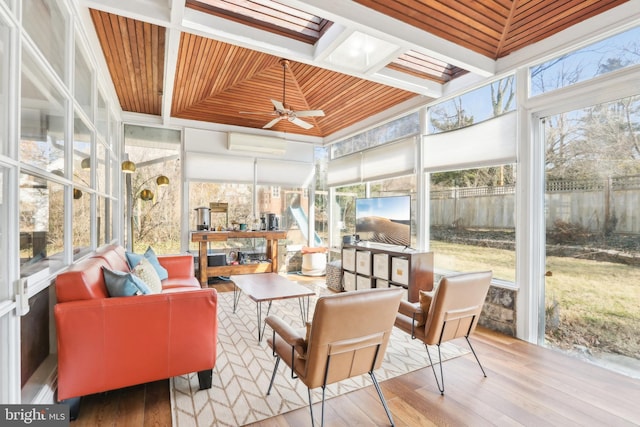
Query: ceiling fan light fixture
[[280, 109]]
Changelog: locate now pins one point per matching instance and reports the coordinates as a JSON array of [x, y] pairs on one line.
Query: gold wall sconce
[[128, 166], [146, 194], [162, 180]]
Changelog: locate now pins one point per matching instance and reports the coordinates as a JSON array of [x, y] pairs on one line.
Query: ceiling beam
[[353, 15], [150, 11], [172, 46]]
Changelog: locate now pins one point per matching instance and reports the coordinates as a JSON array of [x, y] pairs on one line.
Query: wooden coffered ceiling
[[210, 60]]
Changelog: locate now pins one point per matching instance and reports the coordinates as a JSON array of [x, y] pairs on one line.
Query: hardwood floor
[[526, 385]]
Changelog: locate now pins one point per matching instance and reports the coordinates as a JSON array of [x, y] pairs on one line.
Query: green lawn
[[598, 303]]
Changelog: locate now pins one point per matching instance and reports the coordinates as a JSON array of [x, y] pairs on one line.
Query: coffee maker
[[203, 218], [273, 221]]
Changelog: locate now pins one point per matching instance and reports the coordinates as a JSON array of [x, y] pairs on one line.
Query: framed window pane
[[82, 162], [101, 169], [153, 206], [473, 107], [592, 186], [4, 216], [4, 67], [81, 223], [42, 119], [46, 24], [392, 131], [41, 225], [102, 117], [83, 82], [103, 221], [599, 58], [345, 211], [473, 221]]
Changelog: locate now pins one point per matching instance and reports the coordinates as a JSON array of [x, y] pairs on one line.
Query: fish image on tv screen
[[384, 220]]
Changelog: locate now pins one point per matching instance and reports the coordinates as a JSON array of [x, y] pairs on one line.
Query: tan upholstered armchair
[[450, 311], [348, 337]]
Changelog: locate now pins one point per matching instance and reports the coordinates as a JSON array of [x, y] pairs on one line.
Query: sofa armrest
[[109, 343], [178, 265]]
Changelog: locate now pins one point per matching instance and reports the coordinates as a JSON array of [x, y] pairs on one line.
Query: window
[[82, 162], [83, 81], [81, 221], [41, 224], [473, 107], [46, 24], [392, 131], [592, 171], [239, 198], [153, 209], [42, 119], [473, 215], [345, 210], [614, 53], [4, 224], [4, 66]]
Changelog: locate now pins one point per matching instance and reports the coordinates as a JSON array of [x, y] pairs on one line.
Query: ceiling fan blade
[[301, 123], [278, 105], [310, 113], [272, 122]]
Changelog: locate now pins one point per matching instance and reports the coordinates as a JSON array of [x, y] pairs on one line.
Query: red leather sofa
[[108, 343]]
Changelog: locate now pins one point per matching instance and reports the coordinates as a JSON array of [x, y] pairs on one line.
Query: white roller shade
[[213, 167], [285, 173], [389, 160], [344, 170], [385, 161], [489, 143]]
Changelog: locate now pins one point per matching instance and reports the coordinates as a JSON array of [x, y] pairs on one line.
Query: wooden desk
[[204, 237]]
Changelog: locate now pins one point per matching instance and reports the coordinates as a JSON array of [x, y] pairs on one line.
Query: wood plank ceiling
[[216, 81]]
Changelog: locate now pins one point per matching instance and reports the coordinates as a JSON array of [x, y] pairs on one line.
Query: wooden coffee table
[[267, 287]]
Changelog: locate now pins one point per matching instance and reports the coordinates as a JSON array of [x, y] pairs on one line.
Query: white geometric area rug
[[243, 370]]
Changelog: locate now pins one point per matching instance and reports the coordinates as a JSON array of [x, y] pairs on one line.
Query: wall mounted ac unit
[[256, 143]]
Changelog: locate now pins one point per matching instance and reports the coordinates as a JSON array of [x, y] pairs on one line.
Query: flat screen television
[[384, 220]]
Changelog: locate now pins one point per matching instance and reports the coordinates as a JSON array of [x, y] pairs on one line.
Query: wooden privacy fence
[[611, 204]]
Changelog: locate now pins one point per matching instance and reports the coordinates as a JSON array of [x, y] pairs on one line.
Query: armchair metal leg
[[476, 356], [273, 375], [382, 399], [441, 388], [311, 408]]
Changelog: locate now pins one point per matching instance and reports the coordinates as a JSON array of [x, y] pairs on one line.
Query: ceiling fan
[[282, 112]]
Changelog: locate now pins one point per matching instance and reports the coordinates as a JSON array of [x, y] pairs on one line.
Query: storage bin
[[400, 270], [363, 282], [349, 281], [381, 266], [349, 259], [363, 262]]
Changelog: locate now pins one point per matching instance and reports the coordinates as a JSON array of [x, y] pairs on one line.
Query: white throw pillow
[[147, 273]]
